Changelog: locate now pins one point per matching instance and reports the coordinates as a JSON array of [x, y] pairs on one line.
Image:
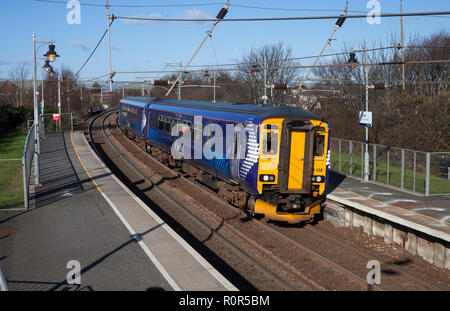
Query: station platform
[[433, 211], [420, 224], [83, 213]]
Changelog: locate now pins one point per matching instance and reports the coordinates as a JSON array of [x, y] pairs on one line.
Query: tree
[[274, 56], [19, 75]]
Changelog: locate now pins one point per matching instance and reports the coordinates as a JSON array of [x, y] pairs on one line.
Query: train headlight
[[267, 178], [318, 179]]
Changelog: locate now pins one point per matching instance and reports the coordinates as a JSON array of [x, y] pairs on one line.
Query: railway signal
[[161, 82], [280, 86]]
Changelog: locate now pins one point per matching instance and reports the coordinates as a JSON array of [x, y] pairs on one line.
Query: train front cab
[[292, 180]]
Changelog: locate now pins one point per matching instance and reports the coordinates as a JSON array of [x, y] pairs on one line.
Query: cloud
[[115, 47], [4, 62], [81, 45], [195, 14]]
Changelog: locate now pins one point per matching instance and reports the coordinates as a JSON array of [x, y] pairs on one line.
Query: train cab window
[[270, 139], [319, 145]]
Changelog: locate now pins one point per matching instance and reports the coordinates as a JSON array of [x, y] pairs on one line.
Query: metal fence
[[48, 125], [15, 177], [417, 171], [27, 162]]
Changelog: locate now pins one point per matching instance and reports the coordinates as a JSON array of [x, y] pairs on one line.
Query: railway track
[[285, 255]]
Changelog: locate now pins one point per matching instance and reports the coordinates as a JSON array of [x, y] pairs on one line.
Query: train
[[267, 160]]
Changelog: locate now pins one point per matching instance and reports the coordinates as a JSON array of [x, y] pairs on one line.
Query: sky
[[150, 45]]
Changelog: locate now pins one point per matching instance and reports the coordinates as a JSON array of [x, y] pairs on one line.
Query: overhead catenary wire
[[443, 61], [338, 25], [281, 18], [135, 5], [92, 53], [207, 4], [219, 18]]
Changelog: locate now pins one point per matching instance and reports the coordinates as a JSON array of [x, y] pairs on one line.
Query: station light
[[255, 70], [51, 54], [47, 66], [280, 86], [352, 60]]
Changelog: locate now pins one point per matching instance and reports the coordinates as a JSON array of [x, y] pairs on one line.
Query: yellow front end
[[299, 167]]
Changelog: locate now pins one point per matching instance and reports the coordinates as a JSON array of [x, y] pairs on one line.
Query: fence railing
[[417, 171], [15, 177], [27, 162], [48, 125]]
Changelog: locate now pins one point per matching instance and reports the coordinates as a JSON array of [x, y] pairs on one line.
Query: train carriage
[[283, 165]]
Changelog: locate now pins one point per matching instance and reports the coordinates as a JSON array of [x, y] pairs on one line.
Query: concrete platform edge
[[417, 239], [219, 277]]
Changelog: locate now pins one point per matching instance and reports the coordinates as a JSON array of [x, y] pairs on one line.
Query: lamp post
[[49, 69], [59, 102], [352, 61], [51, 55]]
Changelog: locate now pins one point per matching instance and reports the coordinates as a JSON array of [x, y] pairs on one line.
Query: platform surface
[[432, 212], [119, 243]]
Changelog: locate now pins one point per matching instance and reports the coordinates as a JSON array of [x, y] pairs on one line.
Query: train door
[[297, 158]]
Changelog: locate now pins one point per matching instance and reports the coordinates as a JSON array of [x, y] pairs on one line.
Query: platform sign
[[42, 107], [365, 118], [55, 116]]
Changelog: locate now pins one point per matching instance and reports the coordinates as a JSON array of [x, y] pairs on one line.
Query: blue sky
[[140, 46]]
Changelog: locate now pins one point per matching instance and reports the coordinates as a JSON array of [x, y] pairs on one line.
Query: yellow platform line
[[377, 201], [84, 166]]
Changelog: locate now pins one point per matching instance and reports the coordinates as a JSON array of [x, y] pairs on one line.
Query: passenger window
[[160, 123], [319, 145], [270, 139], [168, 125]]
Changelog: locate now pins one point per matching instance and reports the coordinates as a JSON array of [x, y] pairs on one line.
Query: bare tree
[[19, 75], [273, 56]]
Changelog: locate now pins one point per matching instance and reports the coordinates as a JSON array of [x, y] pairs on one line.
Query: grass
[[438, 185], [11, 176]]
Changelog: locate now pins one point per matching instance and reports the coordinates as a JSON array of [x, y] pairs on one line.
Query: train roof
[[261, 111]]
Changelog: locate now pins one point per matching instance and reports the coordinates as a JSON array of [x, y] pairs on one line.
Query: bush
[[11, 117]]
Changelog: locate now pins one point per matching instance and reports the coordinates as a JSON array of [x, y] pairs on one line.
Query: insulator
[[340, 21], [222, 13]]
